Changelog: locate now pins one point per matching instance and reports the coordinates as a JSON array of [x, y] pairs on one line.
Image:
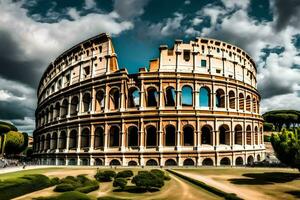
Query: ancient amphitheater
[[197, 104]]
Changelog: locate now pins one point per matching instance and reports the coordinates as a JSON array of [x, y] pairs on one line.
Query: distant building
[[197, 104]]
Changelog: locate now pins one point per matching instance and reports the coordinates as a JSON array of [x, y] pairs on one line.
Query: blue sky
[[34, 32]]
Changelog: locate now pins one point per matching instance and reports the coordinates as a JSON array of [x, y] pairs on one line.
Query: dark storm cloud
[[14, 110], [13, 66], [288, 12]]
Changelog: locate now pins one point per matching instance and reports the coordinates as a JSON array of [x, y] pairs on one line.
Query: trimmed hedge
[[64, 187], [148, 180], [228, 196], [15, 187], [79, 183], [74, 195], [105, 176], [125, 174], [120, 182], [89, 188]]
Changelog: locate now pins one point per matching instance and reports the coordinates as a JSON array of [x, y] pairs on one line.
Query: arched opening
[[61, 161], [248, 103], [99, 100], [54, 141], [258, 158], [254, 103], [225, 161], [256, 135], [151, 162], [224, 135], [220, 98], [62, 140], [84, 162], [56, 112], [241, 101], [170, 136], [52, 161], [132, 163], [114, 99], [98, 162], [114, 136], [188, 135], [74, 106], [170, 96], [86, 102], [72, 161], [238, 135], [188, 162], [98, 137], [231, 100], [250, 160], [152, 97], [187, 95], [133, 136], [151, 136], [64, 108], [42, 118], [248, 135], [204, 97], [51, 113], [48, 139], [114, 162], [46, 116], [133, 98], [239, 161], [206, 135], [73, 140], [207, 162], [261, 135], [170, 162], [42, 142], [85, 138]]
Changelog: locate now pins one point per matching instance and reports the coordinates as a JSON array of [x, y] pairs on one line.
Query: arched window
[[248, 135], [133, 136], [188, 162], [133, 98], [250, 160], [170, 96], [239, 161], [73, 140], [170, 135], [99, 100], [170, 162], [56, 112], [48, 139], [224, 135], [241, 101], [231, 100], [204, 97], [115, 162], [151, 136], [114, 136], [152, 97], [248, 103], [187, 96], [98, 137], [74, 106], [151, 162], [62, 140], [114, 99], [220, 98], [206, 135], [86, 101], [85, 138], [256, 135], [225, 161], [238, 135], [64, 108], [254, 102], [188, 136], [207, 162], [54, 141]]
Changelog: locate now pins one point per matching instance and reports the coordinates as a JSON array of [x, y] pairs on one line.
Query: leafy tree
[[14, 142], [268, 126], [4, 129], [287, 148], [120, 182]]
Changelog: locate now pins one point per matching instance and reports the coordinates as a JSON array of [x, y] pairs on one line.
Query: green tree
[[120, 182], [287, 148], [3, 130], [148, 180], [14, 142]]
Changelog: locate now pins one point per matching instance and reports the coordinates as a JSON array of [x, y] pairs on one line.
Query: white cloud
[[73, 13], [88, 4], [6, 95], [196, 21], [172, 24], [130, 8], [187, 2]]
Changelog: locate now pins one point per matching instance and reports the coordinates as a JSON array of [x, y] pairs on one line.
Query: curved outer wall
[[196, 105]]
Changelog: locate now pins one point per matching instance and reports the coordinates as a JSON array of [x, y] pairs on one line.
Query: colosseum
[[196, 104]]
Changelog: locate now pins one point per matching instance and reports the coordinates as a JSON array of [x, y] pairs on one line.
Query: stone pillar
[[106, 132], [92, 138], [142, 95], [68, 139], [93, 101], [142, 135], [123, 136], [79, 138], [178, 94], [160, 135], [160, 94], [122, 99], [178, 146]]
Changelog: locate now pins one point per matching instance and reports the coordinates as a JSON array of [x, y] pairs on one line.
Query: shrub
[[147, 180], [64, 187], [105, 176], [160, 174], [91, 186], [124, 174], [55, 181], [15, 187], [120, 182], [268, 126]]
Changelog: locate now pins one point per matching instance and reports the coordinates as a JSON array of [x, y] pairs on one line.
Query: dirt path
[[228, 187], [40, 193]]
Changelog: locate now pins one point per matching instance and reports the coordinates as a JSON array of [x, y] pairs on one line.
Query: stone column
[[92, 138], [142, 135], [106, 132], [178, 146], [160, 94], [122, 99], [142, 95], [79, 138], [123, 136]]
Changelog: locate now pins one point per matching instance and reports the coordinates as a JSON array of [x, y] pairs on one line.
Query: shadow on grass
[[265, 178], [135, 189], [295, 193]]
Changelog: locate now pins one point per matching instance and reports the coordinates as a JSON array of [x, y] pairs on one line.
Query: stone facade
[[197, 104]]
